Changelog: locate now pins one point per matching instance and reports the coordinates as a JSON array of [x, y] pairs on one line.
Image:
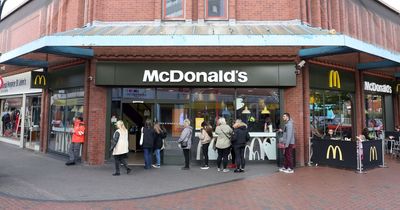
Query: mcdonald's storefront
[[20, 109], [331, 102]]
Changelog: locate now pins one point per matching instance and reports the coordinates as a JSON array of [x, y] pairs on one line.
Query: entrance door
[[134, 116]]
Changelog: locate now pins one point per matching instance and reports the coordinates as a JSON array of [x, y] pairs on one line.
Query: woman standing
[[185, 142], [205, 138], [160, 134], [240, 138], [223, 144], [119, 147], [148, 143]]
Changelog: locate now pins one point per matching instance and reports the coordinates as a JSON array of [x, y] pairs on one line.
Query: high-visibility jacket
[[78, 135]]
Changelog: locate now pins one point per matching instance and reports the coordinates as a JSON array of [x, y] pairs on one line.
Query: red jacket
[[78, 135]]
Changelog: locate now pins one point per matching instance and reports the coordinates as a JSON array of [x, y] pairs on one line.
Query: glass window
[[210, 103], [11, 119], [374, 112], [173, 9], [258, 108], [173, 93], [216, 9], [330, 110], [65, 105], [32, 122]]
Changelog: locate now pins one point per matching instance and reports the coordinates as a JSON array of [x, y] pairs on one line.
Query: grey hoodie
[[186, 135], [288, 133], [224, 133]]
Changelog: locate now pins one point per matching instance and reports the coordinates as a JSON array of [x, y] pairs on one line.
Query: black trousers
[[204, 149], [233, 154], [240, 161], [186, 153], [118, 160], [223, 157]]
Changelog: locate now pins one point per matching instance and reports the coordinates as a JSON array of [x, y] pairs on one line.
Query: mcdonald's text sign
[[38, 79]]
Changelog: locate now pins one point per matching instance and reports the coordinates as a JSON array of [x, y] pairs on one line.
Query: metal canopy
[[377, 65], [27, 62], [324, 51]]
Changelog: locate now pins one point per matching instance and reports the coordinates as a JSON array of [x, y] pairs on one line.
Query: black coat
[[240, 137], [158, 139], [148, 137]]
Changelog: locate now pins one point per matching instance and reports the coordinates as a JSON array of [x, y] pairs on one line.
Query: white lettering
[[213, 76], [201, 74], [176, 76], [229, 76], [242, 77], [190, 76], [372, 86], [178, 73], [162, 76], [150, 76]]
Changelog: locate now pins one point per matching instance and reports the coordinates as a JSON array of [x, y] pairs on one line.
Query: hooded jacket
[[186, 135], [240, 136], [224, 133], [288, 133]]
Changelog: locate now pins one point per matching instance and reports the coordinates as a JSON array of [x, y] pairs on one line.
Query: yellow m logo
[[334, 150], [397, 88], [373, 154], [334, 79], [39, 79]]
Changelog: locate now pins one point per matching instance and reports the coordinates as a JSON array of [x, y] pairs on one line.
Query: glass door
[[32, 122]]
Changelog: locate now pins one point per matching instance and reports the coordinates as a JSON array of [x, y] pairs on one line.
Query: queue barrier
[[347, 154]]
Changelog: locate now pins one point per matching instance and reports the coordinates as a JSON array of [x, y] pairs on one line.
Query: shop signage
[[334, 79], [373, 154], [397, 88], [17, 84], [39, 79], [334, 150], [196, 74], [373, 87], [192, 77]]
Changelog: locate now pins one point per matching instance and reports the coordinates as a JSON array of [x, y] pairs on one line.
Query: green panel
[[105, 74], [67, 78], [258, 74], [320, 76]]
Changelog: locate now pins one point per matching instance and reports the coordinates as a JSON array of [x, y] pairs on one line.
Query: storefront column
[[359, 103], [306, 110], [396, 109], [44, 120], [22, 122], [94, 117], [294, 106]]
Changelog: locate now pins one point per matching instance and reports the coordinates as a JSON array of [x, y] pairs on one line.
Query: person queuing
[[240, 138], [206, 134], [119, 147], [147, 142], [78, 138], [185, 142], [288, 141], [160, 134], [223, 143]]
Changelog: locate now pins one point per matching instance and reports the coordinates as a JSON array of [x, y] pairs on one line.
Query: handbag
[[214, 145], [184, 144]]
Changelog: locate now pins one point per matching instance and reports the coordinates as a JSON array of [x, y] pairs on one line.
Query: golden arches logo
[[38, 80], [397, 88], [373, 154], [334, 79], [334, 150]]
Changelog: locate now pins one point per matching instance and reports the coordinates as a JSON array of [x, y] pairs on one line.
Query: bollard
[[383, 150], [309, 152], [359, 161]]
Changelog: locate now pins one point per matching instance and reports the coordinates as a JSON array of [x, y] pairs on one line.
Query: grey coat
[[288, 133], [186, 135]]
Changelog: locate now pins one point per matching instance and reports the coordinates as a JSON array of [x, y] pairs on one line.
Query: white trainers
[[282, 169], [289, 171], [218, 169], [225, 170], [204, 167], [156, 166]]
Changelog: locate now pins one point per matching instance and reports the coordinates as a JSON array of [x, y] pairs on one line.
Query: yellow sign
[[39, 79], [397, 88], [373, 154], [198, 121], [334, 150], [334, 79]]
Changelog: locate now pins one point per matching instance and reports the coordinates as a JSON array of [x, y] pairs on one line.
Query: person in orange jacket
[[78, 137]]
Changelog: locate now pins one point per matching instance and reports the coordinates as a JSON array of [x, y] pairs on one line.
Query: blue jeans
[[158, 159], [147, 158]]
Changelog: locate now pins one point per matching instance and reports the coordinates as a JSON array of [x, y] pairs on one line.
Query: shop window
[[374, 114], [258, 108], [331, 110], [11, 118], [32, 122], [65, 105], [216, 9], [173, 9]]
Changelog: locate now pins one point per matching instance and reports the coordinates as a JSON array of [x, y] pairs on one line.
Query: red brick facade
[[344, 16]]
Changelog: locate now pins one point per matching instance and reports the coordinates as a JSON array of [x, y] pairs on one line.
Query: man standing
[[78, 137], [288, 141]]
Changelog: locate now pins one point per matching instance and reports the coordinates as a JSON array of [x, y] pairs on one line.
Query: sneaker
[[204, 167], [289, 171], [156, 166], [241, 170], [69, 163], [225, 170], [236, 170], [128, 170], [218, 169], [282, 169]]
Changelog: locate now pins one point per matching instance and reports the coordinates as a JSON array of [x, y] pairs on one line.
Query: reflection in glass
[[216, 8], [374, 113], [173, 8], [10, 118]]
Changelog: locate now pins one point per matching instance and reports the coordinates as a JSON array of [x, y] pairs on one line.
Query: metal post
[[359, 162], [309, 151], [383, 150]]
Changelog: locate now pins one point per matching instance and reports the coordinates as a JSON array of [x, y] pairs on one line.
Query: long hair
[[221, 121], [121, 126]]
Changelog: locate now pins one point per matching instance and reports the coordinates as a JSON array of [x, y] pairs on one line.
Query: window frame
[[164, 11], [207, 17]]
